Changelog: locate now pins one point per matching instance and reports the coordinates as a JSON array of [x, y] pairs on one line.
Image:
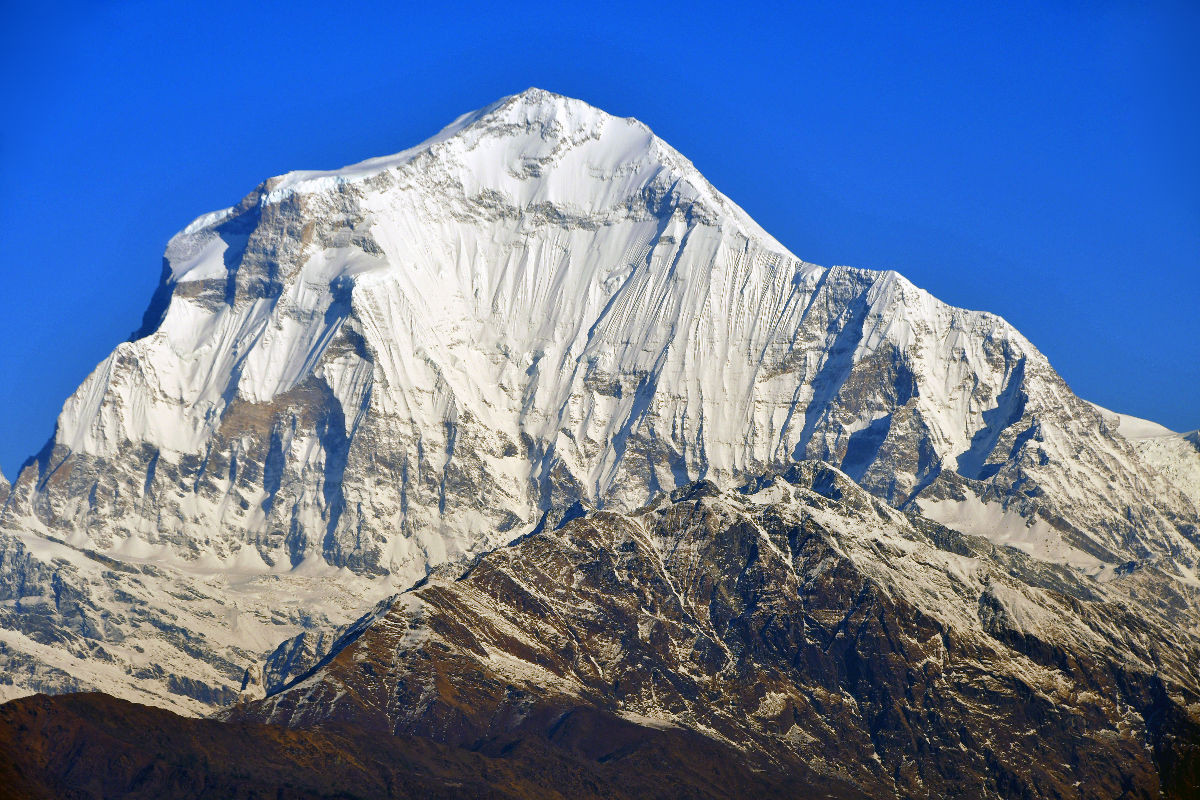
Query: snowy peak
[[529, 149], [1174, 456], [512, 141], [395, 364], [1134, 428]]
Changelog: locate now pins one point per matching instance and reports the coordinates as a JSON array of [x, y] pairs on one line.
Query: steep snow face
[[1175, 456], [398, 363]]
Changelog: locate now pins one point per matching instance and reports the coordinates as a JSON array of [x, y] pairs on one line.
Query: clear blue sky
[[1038, 160]]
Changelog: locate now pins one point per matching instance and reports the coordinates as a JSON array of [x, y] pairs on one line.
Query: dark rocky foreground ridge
[[798, 638], [94, 745]]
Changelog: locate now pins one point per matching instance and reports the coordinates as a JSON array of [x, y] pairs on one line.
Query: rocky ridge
[[800, 621]]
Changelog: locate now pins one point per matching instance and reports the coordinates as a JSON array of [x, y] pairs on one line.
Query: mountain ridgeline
[[647, 468]]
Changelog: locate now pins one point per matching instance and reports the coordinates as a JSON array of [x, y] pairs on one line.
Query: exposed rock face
[[802, 621], [352, 377], [295, 656]]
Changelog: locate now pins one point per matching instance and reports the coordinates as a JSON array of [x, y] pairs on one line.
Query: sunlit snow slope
[[1176, 456]]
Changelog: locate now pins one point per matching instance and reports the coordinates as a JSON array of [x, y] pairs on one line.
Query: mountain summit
[[354, 376]]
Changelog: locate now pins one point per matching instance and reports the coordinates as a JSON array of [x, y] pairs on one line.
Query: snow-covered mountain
[[353, 376]]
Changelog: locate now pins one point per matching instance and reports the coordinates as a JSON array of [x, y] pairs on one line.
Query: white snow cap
[[543, 302]]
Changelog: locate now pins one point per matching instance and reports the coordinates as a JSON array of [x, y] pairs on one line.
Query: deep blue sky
[[1038, 160]]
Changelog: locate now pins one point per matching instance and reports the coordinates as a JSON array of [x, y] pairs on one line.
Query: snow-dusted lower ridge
[[408, 361], [803, 622]]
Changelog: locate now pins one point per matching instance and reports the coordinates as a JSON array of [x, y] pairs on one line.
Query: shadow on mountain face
[[79, 746]]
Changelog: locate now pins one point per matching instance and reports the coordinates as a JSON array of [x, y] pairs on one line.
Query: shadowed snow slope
[[371, 371]]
